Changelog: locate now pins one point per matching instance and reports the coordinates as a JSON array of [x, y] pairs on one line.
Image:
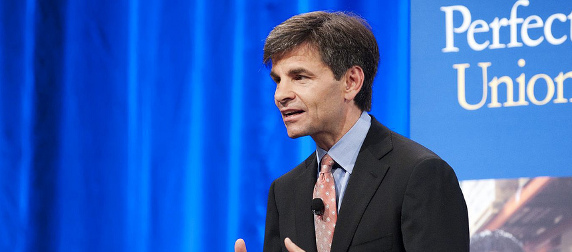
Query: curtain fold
[[150, 125]]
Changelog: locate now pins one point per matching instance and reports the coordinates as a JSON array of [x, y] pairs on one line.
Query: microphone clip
[[318, 206]]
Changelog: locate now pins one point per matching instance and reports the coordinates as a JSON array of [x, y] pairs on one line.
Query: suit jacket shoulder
[[401, 197]]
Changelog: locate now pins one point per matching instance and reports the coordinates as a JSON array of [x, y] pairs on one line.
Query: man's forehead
[[303, 49]]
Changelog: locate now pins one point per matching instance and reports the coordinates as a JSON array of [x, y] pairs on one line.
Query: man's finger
[[239, 246], [291, 246]]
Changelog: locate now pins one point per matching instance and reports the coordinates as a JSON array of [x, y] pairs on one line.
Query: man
[[388, 193]]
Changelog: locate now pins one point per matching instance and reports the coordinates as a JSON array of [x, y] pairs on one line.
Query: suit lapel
[[367, 175], [305, 234]]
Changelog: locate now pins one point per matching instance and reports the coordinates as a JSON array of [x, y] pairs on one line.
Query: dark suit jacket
[[400, 197]]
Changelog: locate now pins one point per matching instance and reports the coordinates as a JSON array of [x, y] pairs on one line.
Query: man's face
[[308, 96]]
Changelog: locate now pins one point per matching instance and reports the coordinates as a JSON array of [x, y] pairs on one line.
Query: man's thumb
[[239, 246]]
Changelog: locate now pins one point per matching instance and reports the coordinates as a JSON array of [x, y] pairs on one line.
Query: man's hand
[[239, 246], [291, 246]]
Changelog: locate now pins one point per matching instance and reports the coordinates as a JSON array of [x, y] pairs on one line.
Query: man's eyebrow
[[292, 72], [274, 76], [297, 71]]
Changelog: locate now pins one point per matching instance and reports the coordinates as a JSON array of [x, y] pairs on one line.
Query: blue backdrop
[[150, 125]]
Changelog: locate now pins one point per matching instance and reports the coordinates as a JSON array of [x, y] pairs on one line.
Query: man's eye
[[299, 77]]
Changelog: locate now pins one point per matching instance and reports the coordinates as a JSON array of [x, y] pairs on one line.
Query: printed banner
[[491, 85]]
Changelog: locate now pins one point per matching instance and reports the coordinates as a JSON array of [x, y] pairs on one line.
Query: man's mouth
[[292, 113]]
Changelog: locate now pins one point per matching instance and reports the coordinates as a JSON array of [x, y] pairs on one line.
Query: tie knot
[[327, 163]]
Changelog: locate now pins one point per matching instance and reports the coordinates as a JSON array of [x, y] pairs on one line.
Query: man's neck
[[326, 141]]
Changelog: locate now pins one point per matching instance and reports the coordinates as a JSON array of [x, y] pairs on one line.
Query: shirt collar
[[346, 150]]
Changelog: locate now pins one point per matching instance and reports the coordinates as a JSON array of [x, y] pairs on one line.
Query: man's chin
[[292, 133]]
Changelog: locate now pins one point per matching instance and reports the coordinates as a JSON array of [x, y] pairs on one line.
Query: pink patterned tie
[[326, 190]]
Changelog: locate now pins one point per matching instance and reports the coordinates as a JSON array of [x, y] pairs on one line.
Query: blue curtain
[[150, 125]]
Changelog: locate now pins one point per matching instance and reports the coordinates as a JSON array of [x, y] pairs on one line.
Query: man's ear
[[354, 81]]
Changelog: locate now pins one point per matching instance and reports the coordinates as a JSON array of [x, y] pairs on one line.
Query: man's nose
[[283, 94]]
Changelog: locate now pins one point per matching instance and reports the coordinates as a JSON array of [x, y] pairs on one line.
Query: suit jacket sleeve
[[272, 240], [434, 210]]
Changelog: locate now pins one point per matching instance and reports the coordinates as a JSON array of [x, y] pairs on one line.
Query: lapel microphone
[[318, 206]]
